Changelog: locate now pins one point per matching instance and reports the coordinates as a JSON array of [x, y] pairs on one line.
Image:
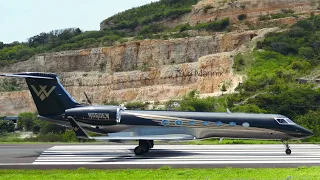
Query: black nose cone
[[304, 132]]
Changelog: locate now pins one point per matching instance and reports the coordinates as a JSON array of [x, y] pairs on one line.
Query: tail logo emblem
[[42, 93], [75, 128]]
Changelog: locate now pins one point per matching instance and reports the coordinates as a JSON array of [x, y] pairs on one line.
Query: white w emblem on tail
[[42, 93]]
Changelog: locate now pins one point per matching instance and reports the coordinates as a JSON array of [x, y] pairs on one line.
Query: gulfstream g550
[[56, 105]]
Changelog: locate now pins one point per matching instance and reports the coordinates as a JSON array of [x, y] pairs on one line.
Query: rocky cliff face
[[16, 102], [139, 71], [217, 9], [211, 10], [136, 55]]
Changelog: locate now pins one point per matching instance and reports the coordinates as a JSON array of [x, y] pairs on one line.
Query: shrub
[[69, 136], [264, 17], [219, 25], [238, 62], [26, 120], [136, 105], [282, 47], [242, 17], [151, 29], [6, 127]]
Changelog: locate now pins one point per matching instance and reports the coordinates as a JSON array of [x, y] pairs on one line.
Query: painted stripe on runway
[[175, 162], [178, 154]]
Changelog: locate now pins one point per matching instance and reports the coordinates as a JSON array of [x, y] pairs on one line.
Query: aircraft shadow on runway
[[125, 155], [33, 155], [152, 154]]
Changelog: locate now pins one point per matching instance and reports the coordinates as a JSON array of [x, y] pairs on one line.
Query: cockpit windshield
[[284, 121]]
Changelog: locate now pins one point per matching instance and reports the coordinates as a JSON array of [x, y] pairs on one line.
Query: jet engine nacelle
[[100, 115]]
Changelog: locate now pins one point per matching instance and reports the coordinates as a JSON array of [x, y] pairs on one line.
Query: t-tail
[[49, 95]]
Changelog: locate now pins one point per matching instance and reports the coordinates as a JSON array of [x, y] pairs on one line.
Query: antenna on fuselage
[[88, 100], [228, 111]]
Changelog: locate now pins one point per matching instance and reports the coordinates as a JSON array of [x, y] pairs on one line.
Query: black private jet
[[55, 104]]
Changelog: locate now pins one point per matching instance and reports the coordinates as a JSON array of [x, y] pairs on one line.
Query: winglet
[[228, 111], [80, 132]]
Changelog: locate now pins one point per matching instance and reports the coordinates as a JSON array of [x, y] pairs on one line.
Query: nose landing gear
[[144, 147], [288, 150]]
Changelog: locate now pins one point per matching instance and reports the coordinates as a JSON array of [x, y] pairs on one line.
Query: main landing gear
[[288, 150], [144, 147]]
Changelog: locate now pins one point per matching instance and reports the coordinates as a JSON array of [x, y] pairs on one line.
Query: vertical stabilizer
[[49, 95]]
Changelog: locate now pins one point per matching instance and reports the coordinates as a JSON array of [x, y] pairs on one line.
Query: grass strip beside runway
[[166, 173]]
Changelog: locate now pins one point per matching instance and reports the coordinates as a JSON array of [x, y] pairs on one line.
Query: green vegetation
[[167, 172], [192, 102], [303, 40], [57, 40], [74, 38], [6, 127], [136, 105], [141, 22], [147, 14], [46, 132], [8, 85], [237, 141], [271, 85], [284, 13], [159, 31]]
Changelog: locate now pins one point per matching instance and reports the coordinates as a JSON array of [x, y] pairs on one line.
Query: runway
[[184, 156]]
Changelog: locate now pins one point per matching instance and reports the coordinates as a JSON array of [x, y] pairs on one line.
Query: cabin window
[[284, 121], [179, 122], [192, 123], [245, 124], [219, 123], [232, 124], [165, 122], [205, 123]]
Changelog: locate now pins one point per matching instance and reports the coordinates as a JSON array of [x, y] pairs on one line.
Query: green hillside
[[272, 71], [140, 23], [149, 13]]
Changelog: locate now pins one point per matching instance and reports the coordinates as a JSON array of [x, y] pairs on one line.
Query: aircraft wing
[[82, 134]]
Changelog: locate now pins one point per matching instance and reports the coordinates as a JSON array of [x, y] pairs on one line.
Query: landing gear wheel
[[288, 151], [138, 150], [145, 149]]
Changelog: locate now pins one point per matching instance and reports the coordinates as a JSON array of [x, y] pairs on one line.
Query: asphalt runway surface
[[47, 156]]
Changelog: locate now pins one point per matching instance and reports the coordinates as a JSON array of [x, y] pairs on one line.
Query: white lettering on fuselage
[[98, 116]]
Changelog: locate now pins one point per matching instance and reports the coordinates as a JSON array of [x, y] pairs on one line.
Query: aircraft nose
[[305, 132]]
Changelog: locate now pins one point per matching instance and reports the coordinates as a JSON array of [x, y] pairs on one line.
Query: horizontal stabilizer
[[27, 75], [80, 132]]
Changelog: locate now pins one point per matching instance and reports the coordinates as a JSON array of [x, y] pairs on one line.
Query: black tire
[[288, 151], [145, 148], [138, 151]]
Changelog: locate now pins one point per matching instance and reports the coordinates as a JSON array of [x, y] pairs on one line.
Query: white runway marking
[[180, 154]]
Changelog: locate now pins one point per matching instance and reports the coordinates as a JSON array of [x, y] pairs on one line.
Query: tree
[[26, 121], [306, 52], [47, 128], [311, 120], [192, 102], [6, 126]]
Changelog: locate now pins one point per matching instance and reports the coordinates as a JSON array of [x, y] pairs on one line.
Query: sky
[[21, 19]]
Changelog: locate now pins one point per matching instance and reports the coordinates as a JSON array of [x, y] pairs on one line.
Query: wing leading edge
[[82, 134]]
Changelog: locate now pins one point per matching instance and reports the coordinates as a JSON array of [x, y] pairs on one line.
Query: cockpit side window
[[284, 121]]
